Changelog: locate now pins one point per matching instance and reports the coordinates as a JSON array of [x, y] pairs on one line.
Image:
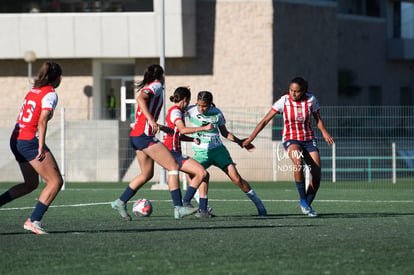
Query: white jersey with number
[[208, 139]]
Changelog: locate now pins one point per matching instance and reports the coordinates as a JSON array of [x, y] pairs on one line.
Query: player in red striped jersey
[[148, 148], [298, 106], [30, 151], [175, 120]]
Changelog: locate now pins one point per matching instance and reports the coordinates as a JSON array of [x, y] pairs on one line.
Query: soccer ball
[[142, 208]]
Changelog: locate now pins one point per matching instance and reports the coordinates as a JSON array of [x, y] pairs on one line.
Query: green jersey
[[208, 139]]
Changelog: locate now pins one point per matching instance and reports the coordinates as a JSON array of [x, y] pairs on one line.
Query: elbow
[[184, 131]]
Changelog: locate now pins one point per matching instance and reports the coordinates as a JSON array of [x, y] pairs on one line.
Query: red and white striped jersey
[[155, 91], [37, 100], [297, 116], [173, 142]]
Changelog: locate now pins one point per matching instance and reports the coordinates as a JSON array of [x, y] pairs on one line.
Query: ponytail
[[180, 93], [49, 74]]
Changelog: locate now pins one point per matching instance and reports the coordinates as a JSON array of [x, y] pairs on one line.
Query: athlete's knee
[[298, 165], [59, 182], [206, 178], [237, 179], [30, 186], [148, 177], [173, 166], [55, 183], [315, 171], [203, 173]]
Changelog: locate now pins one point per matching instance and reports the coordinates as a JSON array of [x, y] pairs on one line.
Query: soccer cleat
[[304, 207], [121, 207], [182, 211], [210, 209], [312, 213], [203, 214], [35, 227], [188, 204]]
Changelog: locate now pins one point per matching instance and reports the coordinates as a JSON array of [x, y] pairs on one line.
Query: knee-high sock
[[300, 185], [176, 197], [128, 194], [38, 212]]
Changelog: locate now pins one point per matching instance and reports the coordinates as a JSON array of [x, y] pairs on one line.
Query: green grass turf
[[359, 231]]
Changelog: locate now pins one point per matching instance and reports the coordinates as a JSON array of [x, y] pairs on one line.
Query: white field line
[[219, 200]]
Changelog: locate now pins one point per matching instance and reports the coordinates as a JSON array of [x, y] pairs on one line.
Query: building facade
[[244, 51]]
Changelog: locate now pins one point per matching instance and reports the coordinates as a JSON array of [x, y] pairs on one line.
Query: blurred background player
[[298, 106], [111, 104], [175, 120], [31, 152], [148, 148], [211, 151]]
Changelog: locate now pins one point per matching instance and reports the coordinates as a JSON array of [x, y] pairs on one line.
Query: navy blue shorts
[[143, 141], [25, 150], [179, 158], [308, 146]]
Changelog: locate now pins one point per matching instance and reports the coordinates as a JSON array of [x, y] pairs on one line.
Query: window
[[375, 95], [403, 20], [27, 6], [407, 20], [360, 7]]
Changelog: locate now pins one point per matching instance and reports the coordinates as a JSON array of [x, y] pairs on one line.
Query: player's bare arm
[[190, 139], [328, 138], [41, 129], [260, 126], [225, 133], [189, 130]]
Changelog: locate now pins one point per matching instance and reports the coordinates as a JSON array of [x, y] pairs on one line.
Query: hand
[[208, 127], [239, 142], [197, 141], [250, 147], [245, 142], [41, 154], [154, 126], [328, 138]]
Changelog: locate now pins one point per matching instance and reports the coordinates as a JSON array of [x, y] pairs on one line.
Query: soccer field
[[359, 231]]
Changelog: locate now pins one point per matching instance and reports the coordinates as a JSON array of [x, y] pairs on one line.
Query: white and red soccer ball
[[142, 208]]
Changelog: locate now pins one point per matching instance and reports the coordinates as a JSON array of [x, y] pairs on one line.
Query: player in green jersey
[[211, 151]]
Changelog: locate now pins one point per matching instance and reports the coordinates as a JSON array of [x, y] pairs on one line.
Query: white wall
[[99, 35]]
